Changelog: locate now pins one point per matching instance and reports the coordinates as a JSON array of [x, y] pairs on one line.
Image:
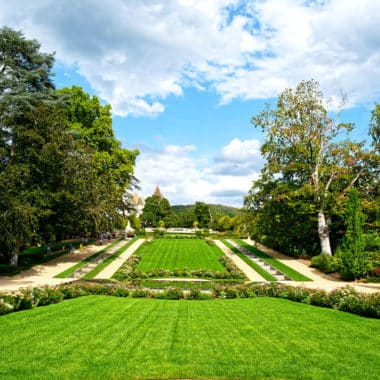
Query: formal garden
[[179, 305]]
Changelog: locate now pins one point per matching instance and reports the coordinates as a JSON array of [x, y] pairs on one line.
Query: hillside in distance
[[215, 209]]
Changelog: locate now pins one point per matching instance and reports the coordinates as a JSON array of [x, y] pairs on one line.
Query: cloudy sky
[[184, 77]]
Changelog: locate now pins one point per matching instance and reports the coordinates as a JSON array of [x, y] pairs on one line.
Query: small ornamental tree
[[352, 250]]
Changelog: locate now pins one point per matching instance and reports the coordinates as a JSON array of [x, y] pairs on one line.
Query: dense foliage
[[62, 172], [298, 203], [157, 212]]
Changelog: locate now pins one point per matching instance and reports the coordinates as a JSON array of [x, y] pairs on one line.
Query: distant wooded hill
[[215, 209]]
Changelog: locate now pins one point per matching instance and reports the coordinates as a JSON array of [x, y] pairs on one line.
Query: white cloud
[[241, 150], [136, 53], [184, 179]]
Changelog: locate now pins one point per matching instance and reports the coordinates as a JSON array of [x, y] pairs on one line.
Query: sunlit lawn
[[179, 254], [100, 337]]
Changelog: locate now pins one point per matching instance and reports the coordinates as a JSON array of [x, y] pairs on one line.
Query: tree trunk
[[324, 234], [14, 257]]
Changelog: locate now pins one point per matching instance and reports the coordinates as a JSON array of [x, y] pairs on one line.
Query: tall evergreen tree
[[25, 81], [352, 251]]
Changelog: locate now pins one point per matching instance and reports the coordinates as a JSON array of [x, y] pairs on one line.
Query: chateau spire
[[158, 192]]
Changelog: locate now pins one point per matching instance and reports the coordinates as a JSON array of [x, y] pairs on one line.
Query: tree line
[[315, 175], [158, 212], [62, 171]]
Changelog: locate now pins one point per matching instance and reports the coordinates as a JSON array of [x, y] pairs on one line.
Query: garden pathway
[[244, 267], [109, 270], [91, 265], [43, 274], [320, 280]]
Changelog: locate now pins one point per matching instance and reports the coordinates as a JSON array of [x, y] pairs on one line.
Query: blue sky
[[184, 77]]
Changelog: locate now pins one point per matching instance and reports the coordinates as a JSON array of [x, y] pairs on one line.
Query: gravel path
[[43, 274], [110, 269]]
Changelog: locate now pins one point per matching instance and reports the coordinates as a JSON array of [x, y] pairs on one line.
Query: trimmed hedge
[[127, 271], [343, 299]]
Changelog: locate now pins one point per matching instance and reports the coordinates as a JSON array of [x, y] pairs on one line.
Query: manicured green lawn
[[179, 254], [100, 337], [291, 273]]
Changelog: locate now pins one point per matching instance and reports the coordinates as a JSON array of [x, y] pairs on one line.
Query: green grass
[[179, 254], [108, 260], [71, 270], [100, 337], [262, 272], [291, 273]]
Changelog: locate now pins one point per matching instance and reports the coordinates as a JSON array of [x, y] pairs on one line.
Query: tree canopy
[[311, 163], [62, 171], [156, 209]]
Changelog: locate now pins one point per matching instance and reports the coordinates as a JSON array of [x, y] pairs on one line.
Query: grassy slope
[[101, 337], [71, 270], [179, 254], [108, 260], [262, 272], [291, 273]]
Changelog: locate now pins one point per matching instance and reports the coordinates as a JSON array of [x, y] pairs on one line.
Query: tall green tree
[[352, 250], [202, 214], [157, 208], [62, 170], [25, 81], [374, 130], [113, 166], [309, 153]]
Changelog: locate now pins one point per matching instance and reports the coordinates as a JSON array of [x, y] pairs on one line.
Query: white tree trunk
[[14, 257], [323, 232]]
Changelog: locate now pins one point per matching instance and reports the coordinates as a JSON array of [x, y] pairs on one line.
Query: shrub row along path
[[320, 280]]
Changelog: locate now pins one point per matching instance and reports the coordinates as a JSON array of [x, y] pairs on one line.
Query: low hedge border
[[344, 299], [128, 272]]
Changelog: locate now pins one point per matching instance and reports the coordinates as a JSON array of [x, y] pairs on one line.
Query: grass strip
[[71, 270], [291, 273], [262, 272], [108, 260]]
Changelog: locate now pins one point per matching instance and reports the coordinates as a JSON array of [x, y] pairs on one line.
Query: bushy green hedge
[[326, 263], [344, 299], [127, 271]]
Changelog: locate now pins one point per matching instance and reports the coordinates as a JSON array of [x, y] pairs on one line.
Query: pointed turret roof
[[158, 192]]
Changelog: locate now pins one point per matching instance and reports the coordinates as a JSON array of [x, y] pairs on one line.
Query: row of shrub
[[344, 299], [332, 264], [127, 271]]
